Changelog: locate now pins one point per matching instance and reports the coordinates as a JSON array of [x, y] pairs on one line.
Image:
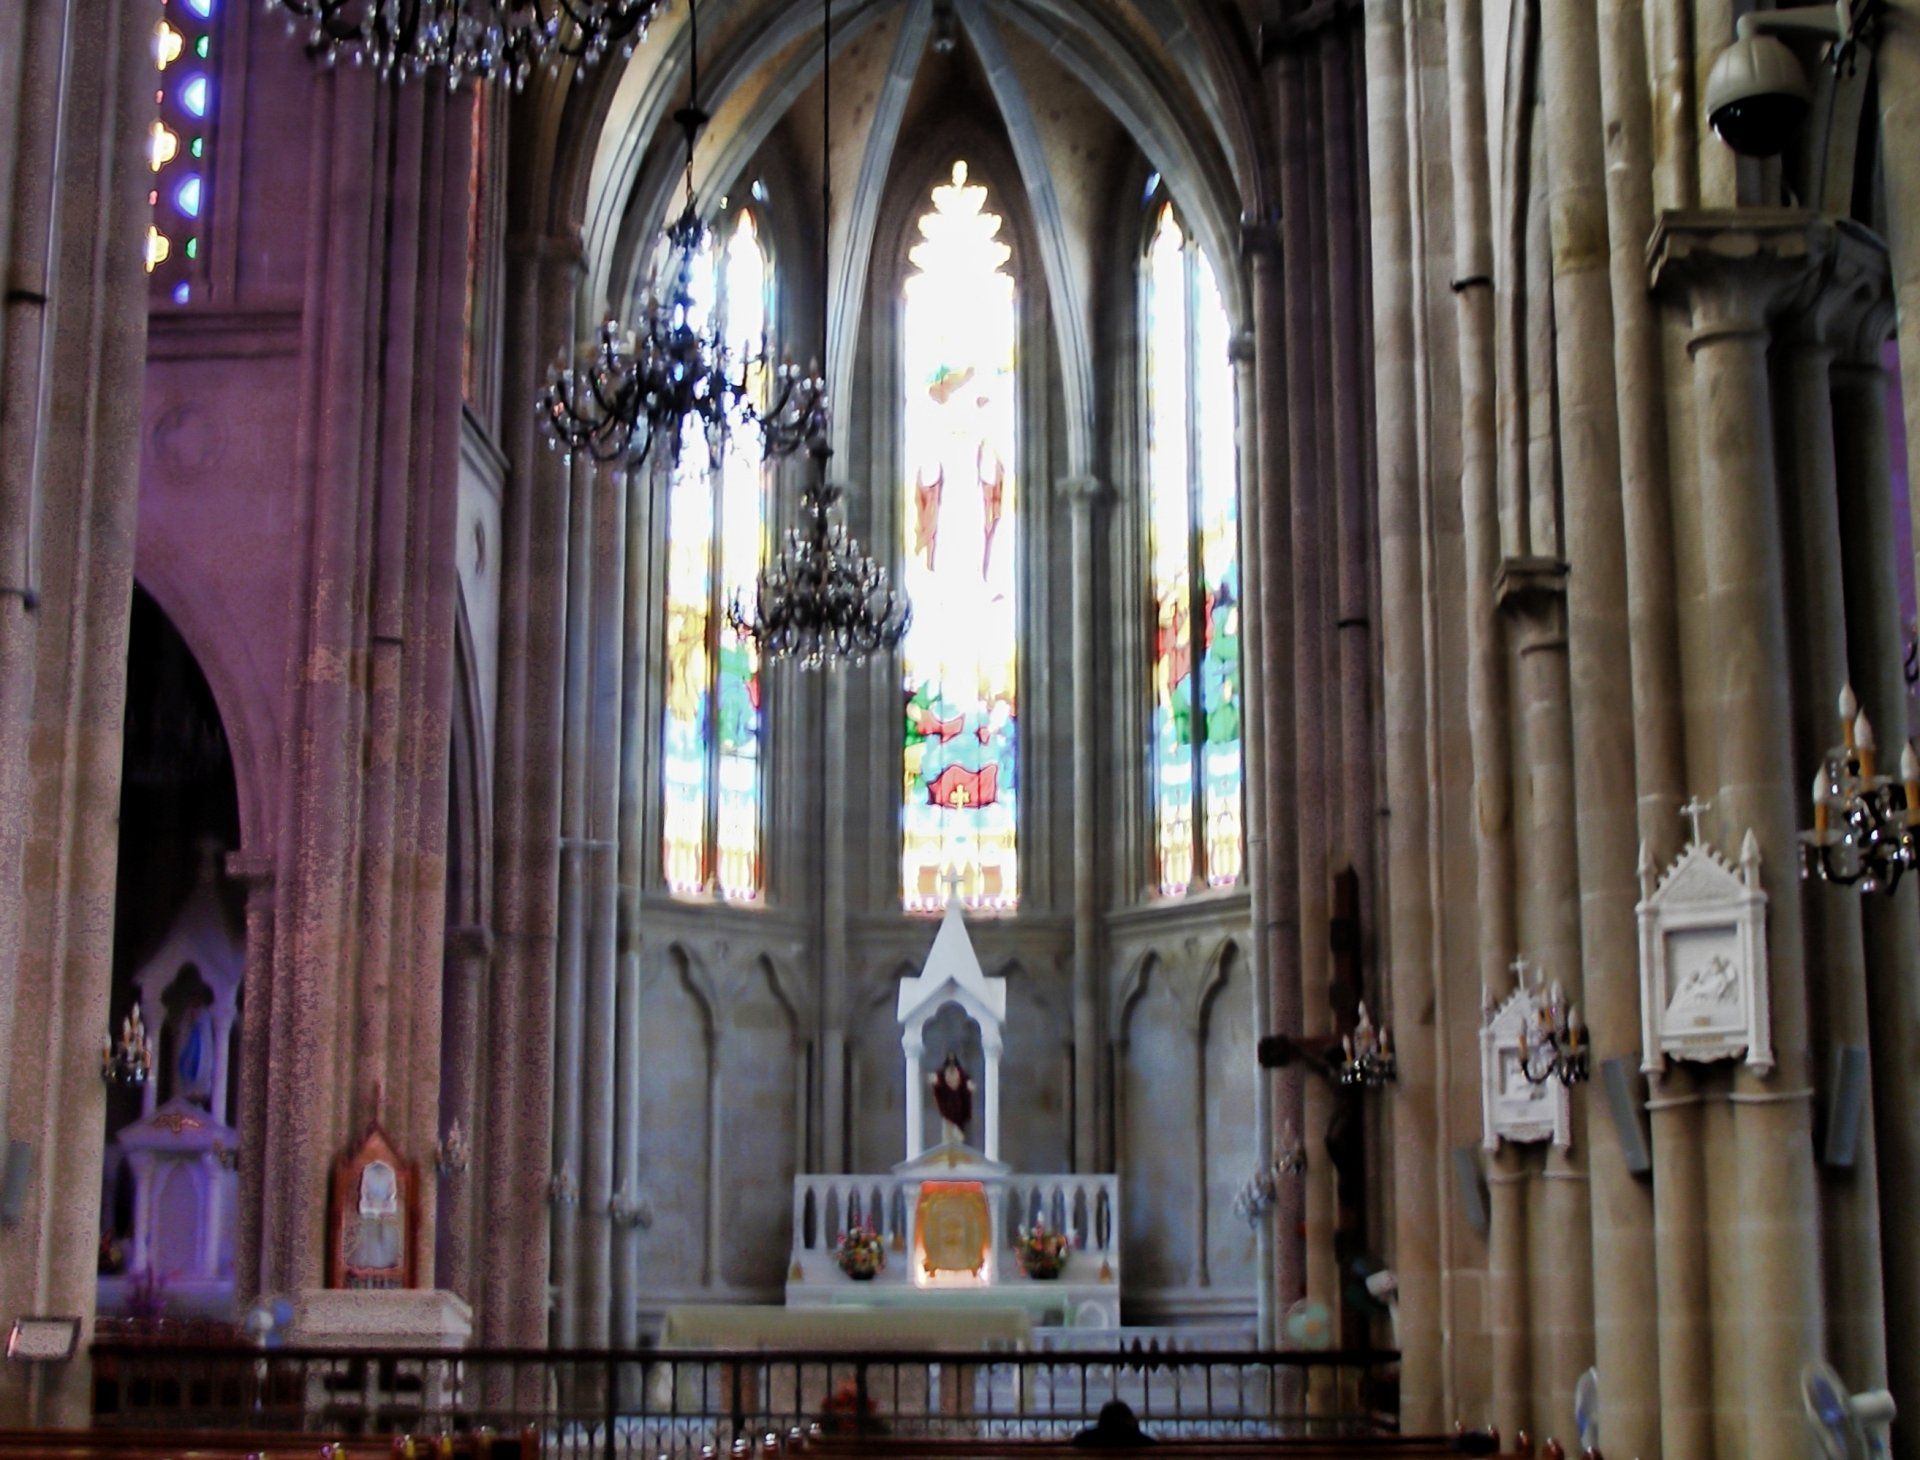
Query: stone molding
[[1734, 269]]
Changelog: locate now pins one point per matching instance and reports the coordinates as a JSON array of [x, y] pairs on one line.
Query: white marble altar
[[1086, 1293]]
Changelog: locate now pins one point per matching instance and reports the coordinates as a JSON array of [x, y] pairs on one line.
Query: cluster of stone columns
[[1666, 541], [1307, 521], [345, 997], [75, 96]]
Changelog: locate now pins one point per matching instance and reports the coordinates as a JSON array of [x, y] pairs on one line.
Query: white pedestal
[[380, 1318], [387, 1318]]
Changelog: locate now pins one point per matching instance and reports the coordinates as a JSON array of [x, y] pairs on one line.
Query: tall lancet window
[[180, 147], [1193, 533], [716, 536], [960, 551]]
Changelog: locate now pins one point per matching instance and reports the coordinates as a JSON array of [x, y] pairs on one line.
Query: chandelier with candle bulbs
[[483, 40], [1366, 1055], [821, 599], [1863, 822], [130, 1060], [1553, 1043], [674, 370]]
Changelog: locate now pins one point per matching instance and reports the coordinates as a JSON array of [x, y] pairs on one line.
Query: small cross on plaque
[[1693, 811], [1519, 967], [953, 879]]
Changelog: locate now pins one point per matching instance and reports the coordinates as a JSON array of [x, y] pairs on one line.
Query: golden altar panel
[[953, 1227]]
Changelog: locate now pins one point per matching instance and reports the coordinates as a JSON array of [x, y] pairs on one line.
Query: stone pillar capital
[[1532, 592], [1260, 239], [567, 247], [254, 869], [469, 943], [1846, 306], [1734, 269], [1080, 492]]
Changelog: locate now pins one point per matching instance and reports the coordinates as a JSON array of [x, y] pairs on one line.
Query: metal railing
[[650, 1403]]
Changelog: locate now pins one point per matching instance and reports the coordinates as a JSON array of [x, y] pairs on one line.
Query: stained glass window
[[179, 147], [1193, 552], [960, 517], [716, 532]]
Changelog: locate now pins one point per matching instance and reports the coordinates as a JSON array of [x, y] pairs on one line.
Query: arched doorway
[[168, 1183]]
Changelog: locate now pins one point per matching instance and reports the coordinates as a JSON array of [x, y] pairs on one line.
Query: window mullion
[[1196, 568], [716, 591]]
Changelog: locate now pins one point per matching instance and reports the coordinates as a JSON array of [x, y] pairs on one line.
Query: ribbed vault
[[1172, 80]]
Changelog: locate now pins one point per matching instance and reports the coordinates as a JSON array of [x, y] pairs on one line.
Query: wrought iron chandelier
[[634, 387], [484, 40], [1553, 1042], [822, 599], [1366, 1055], [1863, 823]]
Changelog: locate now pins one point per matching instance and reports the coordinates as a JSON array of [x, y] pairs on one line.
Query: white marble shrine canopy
[[952, 975]]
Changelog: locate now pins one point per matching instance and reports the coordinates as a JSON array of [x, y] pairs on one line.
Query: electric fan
[[1586, 1411], [1309, 1325], [1847, 1426]]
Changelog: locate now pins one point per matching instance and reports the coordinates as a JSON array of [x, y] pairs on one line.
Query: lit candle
[[1864, 743], [1849, 707], [1910, 774], [1820, 804], [1576, 1031]]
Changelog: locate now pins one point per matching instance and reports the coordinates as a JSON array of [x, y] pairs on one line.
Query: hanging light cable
[[822, 599], [479, 39]]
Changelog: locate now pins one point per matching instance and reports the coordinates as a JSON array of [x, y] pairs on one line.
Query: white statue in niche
[[377, 1235], [193, 1064]]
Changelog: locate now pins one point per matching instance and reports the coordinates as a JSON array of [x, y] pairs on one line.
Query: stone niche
[[1703, 960], [180, 1155]]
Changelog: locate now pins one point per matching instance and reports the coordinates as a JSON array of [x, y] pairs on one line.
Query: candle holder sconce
[[1863, 823]]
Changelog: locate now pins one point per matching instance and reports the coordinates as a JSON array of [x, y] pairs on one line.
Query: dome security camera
[[1757, 94]]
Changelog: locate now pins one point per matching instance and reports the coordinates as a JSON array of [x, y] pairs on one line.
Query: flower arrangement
[[1042, 1253], [860, 1252]]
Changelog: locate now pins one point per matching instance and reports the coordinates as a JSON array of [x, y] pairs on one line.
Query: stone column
[[1621, 1304], [255, 871], [1647, 1328], [1279, 935], [1304, 513], [1818, 638], [597, 1069], [469, 954], [1508, 1309], [1083, 497], [1680, 1225], [1731, 270], [1253, 740], [543, 271], [1875, 648], [1418, 1102], [576, 870], [990, 1048], [912, 1049], [72, 349], [1533, 594], [1897, 57]]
